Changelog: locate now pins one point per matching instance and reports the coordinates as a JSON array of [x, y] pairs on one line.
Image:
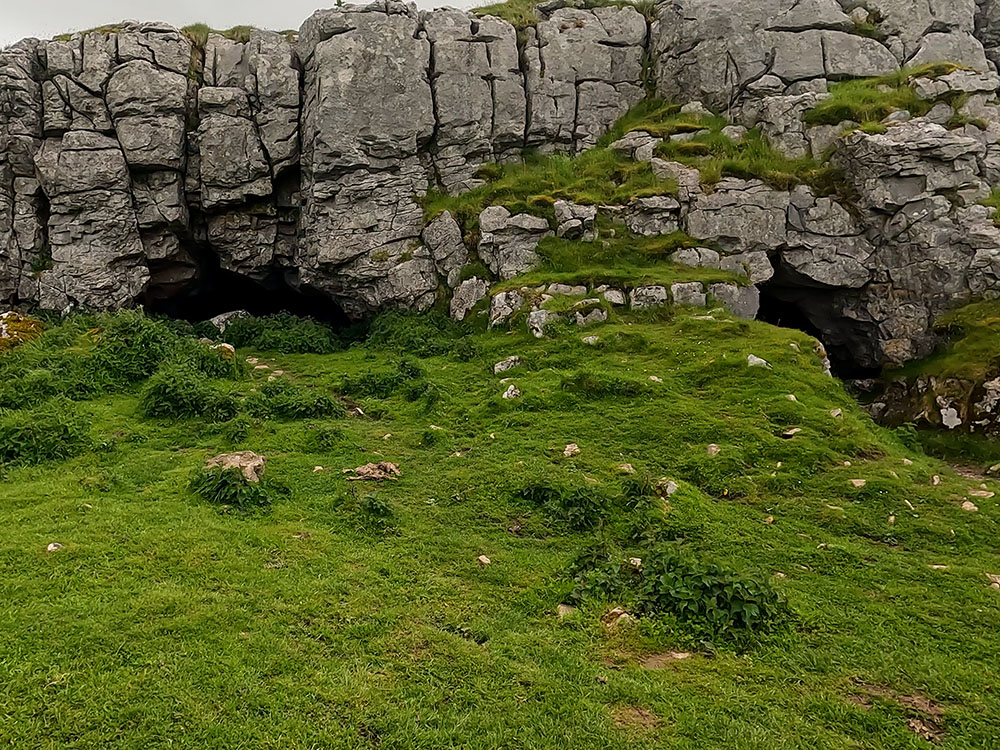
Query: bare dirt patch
[[925, 717], [634, 717], [663, 661]]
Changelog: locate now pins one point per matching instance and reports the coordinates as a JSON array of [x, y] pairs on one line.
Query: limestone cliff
[[132, 160]]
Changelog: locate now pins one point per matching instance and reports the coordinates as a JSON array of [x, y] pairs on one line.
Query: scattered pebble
[[54, 547], [789, 434], [754, 361], [571, 450], [617, 616], [769, 520], [892, 520], [564, 611], [262, 367], [655, 379], [794, 346], [935, 480], [626, 468], [847, 463], [994, 580], [252, 360], [791, 397], [713, 450], [635, 562], [662, 661], [318, 468], [907, 462], [506, 364], [780, 575], [837, 413], [279, 372], [483, 561], [512, 392], [667, 487], [938, 567], [591, 340], [970, 506], [859, 483], [982, 493]]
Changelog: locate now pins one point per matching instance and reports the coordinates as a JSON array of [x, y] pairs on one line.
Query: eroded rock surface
[[128, 158]]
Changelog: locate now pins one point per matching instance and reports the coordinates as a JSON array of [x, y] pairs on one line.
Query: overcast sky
[[46, 18]]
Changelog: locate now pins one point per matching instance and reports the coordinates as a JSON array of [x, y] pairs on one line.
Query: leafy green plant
[[384, 383], [52, 431], [180, 390], [580, 508], [230, 489], [419, 335], [726, 603], [283, 333], [284, 399]]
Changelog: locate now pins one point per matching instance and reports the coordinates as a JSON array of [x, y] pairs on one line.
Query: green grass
[[198, 33], [993, 201], [971, 347], [622, 259], [522, 13], [871, 100], [596, 176], [355, 615]]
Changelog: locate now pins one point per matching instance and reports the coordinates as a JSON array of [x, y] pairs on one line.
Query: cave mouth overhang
[[211, 290], [790, 300]]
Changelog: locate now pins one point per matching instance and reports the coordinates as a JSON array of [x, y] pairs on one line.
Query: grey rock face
[[584, 69], [124, 156], [97, 255], [507, 243], [467, 295]]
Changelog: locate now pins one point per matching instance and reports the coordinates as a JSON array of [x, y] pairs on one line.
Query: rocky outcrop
[[133, 162]]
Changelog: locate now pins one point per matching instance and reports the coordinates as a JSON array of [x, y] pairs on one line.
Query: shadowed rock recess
[[131, 162]]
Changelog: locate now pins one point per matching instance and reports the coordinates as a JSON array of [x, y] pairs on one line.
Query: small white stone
[[512, 392], [571, 450], [54, 547], [754, 361], [483, 560], [713, 450]]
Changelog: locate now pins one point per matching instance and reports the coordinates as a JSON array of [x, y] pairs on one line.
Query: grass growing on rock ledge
[[868, 101], [970, 348], [356, 614], [596, 176]]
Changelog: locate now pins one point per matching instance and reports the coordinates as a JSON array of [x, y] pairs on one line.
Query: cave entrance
[[813, 310], [215, 290]]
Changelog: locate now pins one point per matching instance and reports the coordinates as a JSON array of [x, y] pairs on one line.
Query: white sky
[[46, 18]]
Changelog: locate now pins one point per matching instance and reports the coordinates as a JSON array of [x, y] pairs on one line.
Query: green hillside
[[813, 611]]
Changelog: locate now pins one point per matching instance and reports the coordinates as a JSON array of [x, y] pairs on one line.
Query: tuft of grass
[[595, 177], [198, 33], [993, 201], [53, 431], [283, 333], [970, 347], [180, 390], [717, 156], [229, 489], [871, 100]]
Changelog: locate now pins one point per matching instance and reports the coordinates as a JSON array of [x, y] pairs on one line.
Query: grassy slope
[[299, 628], [972, 347]]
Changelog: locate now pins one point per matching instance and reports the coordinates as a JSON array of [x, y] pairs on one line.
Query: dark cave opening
[[214, 291], [805, 308]]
